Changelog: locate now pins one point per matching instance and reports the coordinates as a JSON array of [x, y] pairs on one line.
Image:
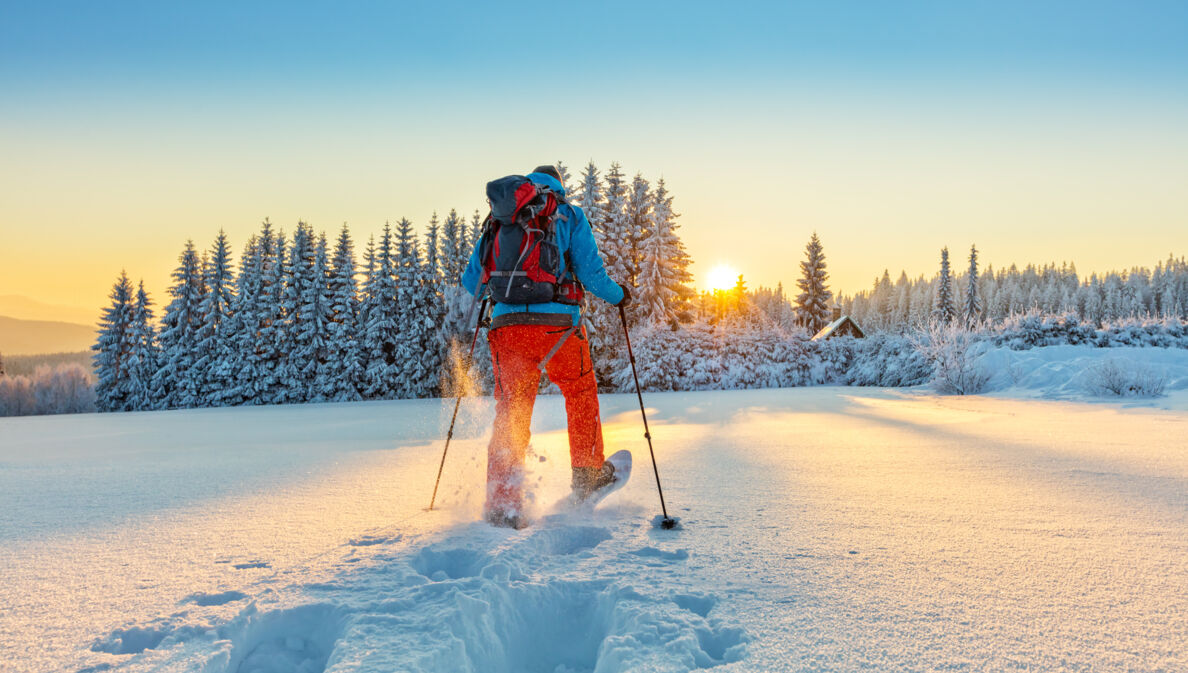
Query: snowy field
[[824, 529]]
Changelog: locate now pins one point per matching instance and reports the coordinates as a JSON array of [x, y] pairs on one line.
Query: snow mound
[[1072, 372]]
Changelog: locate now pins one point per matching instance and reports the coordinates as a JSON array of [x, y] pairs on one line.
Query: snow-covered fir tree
[[973, 300], [270, 338], [639, 224], [812, 302], [240, 355], [344, 328], [453, 255], [663, 284], [304, 309], [612, 233], [613, 229], [417, 351], [318, 307], [214, 373], [179, 382], [382, 327], [566, 178], [113, 350], [945, 309], [589, 197], [475, 232], [144, 357]]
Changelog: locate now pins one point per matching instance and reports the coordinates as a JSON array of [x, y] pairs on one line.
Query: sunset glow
[[721, 277]]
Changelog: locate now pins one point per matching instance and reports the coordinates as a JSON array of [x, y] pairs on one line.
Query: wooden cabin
[[842, 325]]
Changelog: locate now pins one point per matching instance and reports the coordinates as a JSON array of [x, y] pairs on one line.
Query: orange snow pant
[[516, 354]]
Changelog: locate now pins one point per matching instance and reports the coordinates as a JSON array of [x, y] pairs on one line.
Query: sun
[[721, 277]]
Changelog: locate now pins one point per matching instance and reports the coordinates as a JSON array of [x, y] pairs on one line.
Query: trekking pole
[[458, 403], [667, 522]]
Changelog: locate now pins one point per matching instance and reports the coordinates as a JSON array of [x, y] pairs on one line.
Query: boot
[[586, 480], [504, 518]]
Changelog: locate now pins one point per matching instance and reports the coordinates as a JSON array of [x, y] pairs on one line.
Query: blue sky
[[1037, 130]]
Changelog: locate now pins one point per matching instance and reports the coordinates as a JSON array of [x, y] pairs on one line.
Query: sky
[[1037, 131]]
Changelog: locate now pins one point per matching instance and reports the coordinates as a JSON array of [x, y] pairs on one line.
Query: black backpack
[[518, 247]]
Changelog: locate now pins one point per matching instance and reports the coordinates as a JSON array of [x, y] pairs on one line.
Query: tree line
[[992, 296], [297, 319]]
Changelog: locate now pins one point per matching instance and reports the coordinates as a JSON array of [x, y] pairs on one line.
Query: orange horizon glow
[[721, 277]]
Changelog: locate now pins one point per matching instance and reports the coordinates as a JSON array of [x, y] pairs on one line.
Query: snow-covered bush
[[1034, 330], [65, 389], [1118, 378], [886, 360], [950, 349], [716, 357]]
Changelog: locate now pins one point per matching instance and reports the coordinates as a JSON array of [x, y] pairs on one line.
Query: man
[[522, 336]]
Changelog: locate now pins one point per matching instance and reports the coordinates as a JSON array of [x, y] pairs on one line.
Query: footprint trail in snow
[[562, 596]]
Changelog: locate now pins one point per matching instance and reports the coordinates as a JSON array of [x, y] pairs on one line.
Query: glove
[[626, 296]]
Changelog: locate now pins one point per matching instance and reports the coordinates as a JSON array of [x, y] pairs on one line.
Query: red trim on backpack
[[524, 194]]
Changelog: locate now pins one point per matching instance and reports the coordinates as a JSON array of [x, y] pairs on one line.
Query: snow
[[1068, 372], [823, 528]]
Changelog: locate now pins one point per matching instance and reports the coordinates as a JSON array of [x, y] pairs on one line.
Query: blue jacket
[[573, 234]]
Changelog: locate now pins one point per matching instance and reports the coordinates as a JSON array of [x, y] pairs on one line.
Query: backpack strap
[[557, 346]]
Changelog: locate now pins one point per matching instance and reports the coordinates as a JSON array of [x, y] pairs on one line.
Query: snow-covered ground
[[824, 529], [1076, 372]]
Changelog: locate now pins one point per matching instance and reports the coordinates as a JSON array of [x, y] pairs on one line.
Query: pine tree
[[812, 304], [639, 225], [453, 255], [271, 386], [113, 350], [214, 374], [178, 382], [590, 200], [476, 231], [612, 233], [297, 329], [317, 308], [565, 176], [344, 324], [973, 302], [945, 310], [902, 301], [241, 347], [416, 356], [613, 230], [144, 360], [663, 282], [381, 330]]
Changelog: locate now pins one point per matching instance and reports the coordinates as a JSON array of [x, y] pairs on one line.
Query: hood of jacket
[[548, 181]]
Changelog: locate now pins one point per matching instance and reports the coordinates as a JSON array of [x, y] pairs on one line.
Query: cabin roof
[[838, 328]]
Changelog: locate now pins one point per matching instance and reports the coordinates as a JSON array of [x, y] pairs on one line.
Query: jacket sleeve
[[587, 262], [474, 271]]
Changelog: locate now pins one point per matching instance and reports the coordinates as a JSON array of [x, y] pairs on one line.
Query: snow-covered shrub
[[886, 360], [1119, 378], [65, 389], [950, 349], [717, 357], [1033, 330], [1161, 333]]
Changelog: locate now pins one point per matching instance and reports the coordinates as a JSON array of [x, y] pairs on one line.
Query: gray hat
[[548, 169]]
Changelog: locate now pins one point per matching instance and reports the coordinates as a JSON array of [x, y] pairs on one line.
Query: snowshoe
[[592, 484]]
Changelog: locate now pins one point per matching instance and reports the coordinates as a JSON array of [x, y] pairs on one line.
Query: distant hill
[[33, 337], [26, 308]]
